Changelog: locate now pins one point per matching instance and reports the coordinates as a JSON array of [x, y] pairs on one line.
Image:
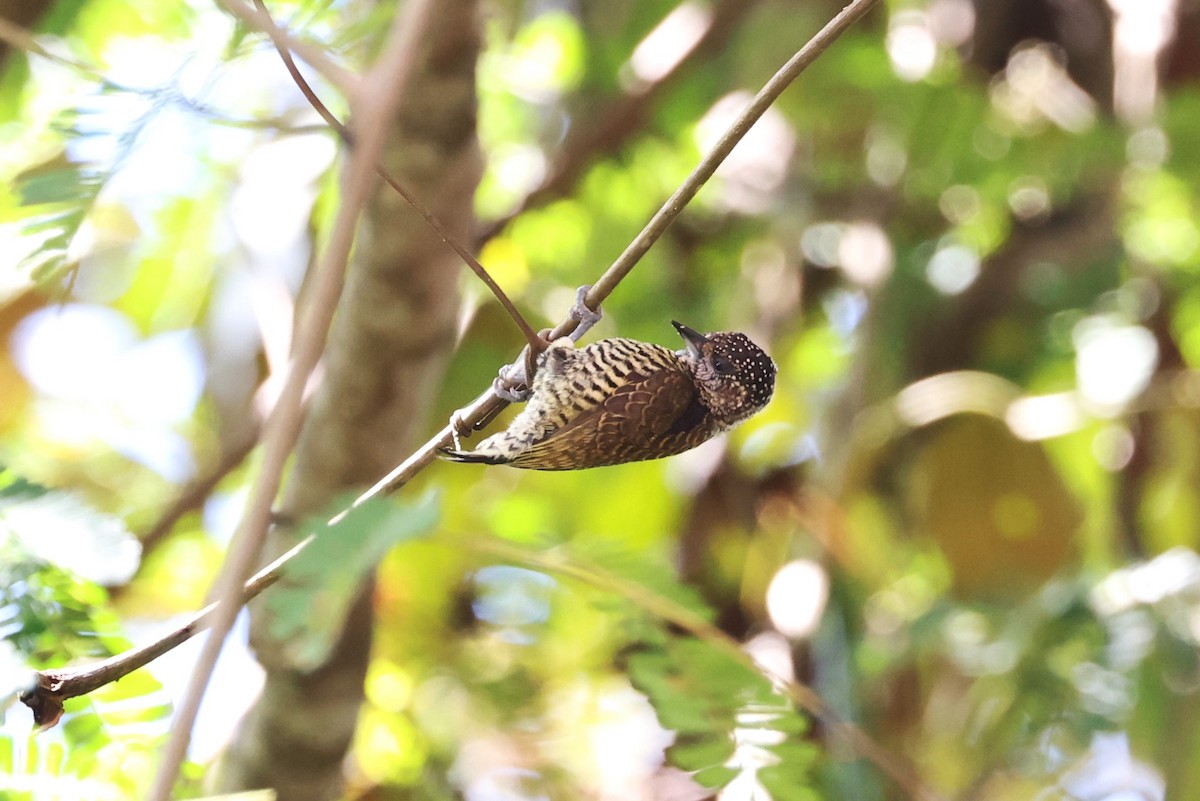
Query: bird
[[622, 400]]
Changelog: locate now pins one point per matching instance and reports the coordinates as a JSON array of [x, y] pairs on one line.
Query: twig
[[24, 40], [56, 686], [708, 165], [374, 102], [198, 491], [536, 344], [344, 80]]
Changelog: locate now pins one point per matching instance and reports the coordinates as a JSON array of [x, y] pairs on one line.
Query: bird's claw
[[511, 384], [583, 316], [458, 428]]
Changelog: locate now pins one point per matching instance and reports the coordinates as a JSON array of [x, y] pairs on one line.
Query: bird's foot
[[583, 316], [511, 384], [459, 428]]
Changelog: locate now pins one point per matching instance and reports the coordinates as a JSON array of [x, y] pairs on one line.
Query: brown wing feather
[[629, 425]]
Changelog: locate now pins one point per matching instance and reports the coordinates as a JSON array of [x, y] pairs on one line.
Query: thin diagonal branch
[[26, 41], [344, 80], [536, 344], [608, 128], [55, 686], [197, 492], [708, 165], [23, 39]]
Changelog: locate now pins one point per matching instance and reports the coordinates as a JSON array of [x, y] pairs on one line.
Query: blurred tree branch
[[195, 494], [18, 14]]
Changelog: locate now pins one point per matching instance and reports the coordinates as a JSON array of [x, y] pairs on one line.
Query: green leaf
[[309, 605], [701, 754], [53, 222], [789, 779], [66, 185], [715, 776], [718, 705], [50, 616], [14, 485]]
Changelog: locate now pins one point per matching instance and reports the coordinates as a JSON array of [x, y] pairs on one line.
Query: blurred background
[[969, 235]]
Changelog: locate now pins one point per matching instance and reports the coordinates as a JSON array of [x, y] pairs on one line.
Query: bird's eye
[[722, 365]]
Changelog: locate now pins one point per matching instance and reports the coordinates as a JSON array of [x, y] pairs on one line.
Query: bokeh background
[[969, 235]]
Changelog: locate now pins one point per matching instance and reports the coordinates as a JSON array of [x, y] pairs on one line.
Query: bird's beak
[[692, 337]]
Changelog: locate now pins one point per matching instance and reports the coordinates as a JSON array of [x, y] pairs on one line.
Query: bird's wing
[[628, 425]]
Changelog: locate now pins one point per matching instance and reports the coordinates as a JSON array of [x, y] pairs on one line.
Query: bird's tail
[[474, 457]]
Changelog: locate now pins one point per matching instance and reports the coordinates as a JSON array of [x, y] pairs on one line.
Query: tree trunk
[[386, 354]]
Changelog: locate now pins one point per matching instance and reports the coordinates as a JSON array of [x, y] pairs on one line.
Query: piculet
[[620, 400]]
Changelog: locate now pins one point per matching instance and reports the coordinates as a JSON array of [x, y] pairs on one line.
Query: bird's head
[[734, 377]]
